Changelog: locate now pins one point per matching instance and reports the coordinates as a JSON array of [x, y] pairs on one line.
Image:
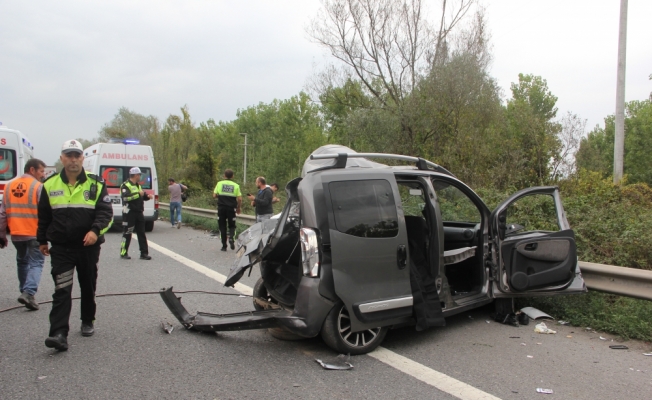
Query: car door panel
[[368, 272], [537, 262]]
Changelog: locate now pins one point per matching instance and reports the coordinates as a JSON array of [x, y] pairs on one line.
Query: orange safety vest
[[21, 205]]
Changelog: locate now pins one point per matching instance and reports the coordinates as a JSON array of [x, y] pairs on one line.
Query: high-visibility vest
[[21, 205]]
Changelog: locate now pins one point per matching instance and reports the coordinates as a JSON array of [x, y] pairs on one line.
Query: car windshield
[[115, 176]]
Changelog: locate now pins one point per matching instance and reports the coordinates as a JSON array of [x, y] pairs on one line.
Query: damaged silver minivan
[[362, 247]]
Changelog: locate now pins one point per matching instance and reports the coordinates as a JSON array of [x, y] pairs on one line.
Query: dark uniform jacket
[[65, 214], [130, 193]]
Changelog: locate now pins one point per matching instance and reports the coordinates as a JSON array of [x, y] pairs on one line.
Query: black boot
[[58, 341]]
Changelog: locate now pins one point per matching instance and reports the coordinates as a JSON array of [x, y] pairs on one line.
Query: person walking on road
[[74, 212], [263, 200], [19, 212], [229, 203], [176, 189], [133, 219]]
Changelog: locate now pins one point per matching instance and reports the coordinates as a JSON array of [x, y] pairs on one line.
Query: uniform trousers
[[134, 221], [226, 215], [64, 261]]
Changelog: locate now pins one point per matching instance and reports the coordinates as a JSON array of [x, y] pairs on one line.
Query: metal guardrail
[[629, 282], [202, 212]]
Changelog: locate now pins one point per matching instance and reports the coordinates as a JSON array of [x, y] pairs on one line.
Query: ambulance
[[15, 150], [112, 162]]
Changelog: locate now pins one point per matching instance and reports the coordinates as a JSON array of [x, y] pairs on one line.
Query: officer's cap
[[134, 171], [72, 146]]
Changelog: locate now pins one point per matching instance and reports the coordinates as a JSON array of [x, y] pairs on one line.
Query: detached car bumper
[[224, 322], [305, 320]]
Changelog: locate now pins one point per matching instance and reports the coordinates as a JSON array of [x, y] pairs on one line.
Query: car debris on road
[[543, 328], [341, 362]]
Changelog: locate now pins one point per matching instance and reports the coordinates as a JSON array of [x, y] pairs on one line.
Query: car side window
[[536, 212], [364, 208], [455, 206]]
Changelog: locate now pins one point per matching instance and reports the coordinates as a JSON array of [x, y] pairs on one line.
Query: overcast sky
[[66, 67]]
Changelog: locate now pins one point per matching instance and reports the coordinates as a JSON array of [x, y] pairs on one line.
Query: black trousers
[[226, 215], [64, 260], [133, 221]]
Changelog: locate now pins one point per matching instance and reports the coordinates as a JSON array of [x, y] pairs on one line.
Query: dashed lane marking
[[425, 374]]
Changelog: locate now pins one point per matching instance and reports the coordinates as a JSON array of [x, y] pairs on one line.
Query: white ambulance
[[112, 162], [15, 150]]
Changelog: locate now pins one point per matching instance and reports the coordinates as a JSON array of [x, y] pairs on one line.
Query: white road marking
[[425, 374], [244, 289], [434, 378]]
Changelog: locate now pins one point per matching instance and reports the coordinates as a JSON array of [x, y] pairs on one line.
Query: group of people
[[65, 217], [229, 204]]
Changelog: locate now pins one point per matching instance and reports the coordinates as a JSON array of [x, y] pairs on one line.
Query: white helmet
[[134, 171]]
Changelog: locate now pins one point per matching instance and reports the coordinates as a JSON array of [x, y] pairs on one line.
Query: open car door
[[533, 248]]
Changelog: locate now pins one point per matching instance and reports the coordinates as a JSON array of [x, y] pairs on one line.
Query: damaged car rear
[[362, 247]]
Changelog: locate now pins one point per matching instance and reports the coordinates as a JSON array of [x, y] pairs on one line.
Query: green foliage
[[596, 151], [128, 124], [623, 316], [611, 222], [532, 132]]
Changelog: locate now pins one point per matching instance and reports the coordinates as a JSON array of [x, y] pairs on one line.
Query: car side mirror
[[502, 227]]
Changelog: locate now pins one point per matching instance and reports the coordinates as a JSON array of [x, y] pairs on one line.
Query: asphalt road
[[131, 357]]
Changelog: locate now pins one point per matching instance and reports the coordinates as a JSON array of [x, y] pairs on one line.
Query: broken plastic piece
[[603, 338], [618, 347], [545, 391], [167, 327], [647, 354], [530, 356], [340, 363], [560, 322], [534, 313], [542, 328]]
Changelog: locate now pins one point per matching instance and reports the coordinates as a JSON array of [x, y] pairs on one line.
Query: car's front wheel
[[338, 335]]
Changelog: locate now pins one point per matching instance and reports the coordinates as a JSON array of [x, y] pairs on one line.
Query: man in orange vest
[[19, 212]]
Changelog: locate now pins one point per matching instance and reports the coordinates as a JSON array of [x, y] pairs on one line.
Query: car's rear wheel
[[338, 335], [260, 292]]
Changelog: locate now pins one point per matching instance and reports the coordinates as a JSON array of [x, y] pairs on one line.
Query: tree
[[532, 130], [596, 150], [128, 124], [386, 48], [572, 130]]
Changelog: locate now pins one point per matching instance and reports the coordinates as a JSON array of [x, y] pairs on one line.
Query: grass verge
[[623, 316], [209, 224]]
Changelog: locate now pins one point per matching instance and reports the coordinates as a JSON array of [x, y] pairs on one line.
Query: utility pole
[[244, 180], [619, 142]]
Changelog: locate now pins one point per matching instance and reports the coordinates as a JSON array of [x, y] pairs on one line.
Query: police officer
[[133, 219], [229, 202], [74, 211], [19, 211]]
